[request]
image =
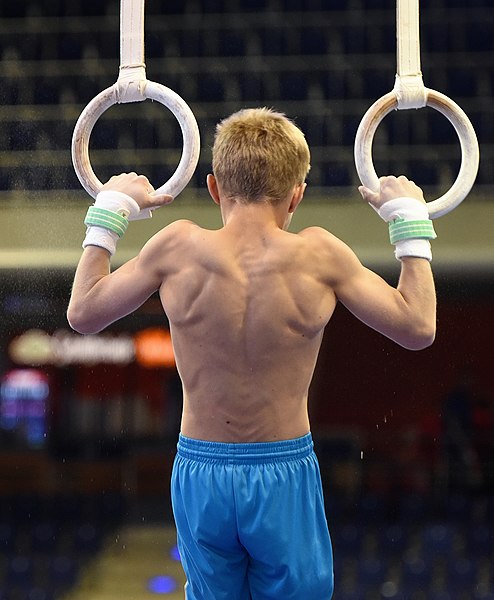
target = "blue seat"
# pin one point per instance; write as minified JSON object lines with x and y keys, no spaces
{"x":251,"y":86}
{"x":201,"y":172}
{"x":10,"y":91}
{"x":484,"y":594}
{"x":155,"y":43}
{"x":87,"y":539}
{"x":479,"y":36}
{"x":425,"y":174}
{"x":372,"y":571}
{"x":337,"y":174}
{"x":46,"y":91}
{"x":440,"y":595}
{"x":416,"y":573}
{"x":210,"y":6}
{"x":354,"y":38}
{"x":480,"y":540}
{"x":170,"y":7}
{"x":334,"y":84}
{"x":44,"y":538}
{"x":347,"y":540}
{"x":232,"y":43}
{"x":273,"y":41}
{"x":91,"y":8}
{"x":350,"y":126}
{"x":13,"y":9}
{"x":348,"y":595}
{"x":376,"y":83}
{"x":110,"y":506}
{"x":107,"y":42}
{"x":191,"y":43}
{"x":387,"y":40}
{"x":462,"y":82}
{"x":413,"y":507}
{"x":31,"y":47}
{"x":69,"y":47}
{"x":438,"y":538}
{"x":313,"y":41}
{"x":462,"y":573}
{"x":458,"y":506}
{"x":394,"y":539}
{"x":373,"y":508}
{"x":490,"y":498}
{"x":20,"y":571}
{"x":7,"y":537}
{"x":64,"y":572}
{"x":375,"y":4}
{"x":210,"y":88}
{"x":254,"y":5}
{"x":294,"y":86}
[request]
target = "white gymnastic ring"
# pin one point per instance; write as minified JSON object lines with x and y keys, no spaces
{"x":466,"y":135}
{"x":154,"y":91}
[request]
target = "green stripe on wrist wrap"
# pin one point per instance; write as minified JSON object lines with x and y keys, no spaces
{"x":108,"y":219}
{"x":406,"y":230}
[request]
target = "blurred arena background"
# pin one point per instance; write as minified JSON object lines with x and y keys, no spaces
{"x":88,"y":425}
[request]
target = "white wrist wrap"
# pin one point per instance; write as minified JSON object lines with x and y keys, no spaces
{"x":415,"y":247}
{"x":410,"y":228}
{"x":118,"y":202}
{"x":99,"y":236}
{"x":408,"y":209}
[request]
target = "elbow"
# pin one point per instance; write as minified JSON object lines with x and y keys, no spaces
{"x":80,"y":321}
{"x":421,"y":338}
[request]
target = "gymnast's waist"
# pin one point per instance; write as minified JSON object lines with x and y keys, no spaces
{"x":245,"y":453}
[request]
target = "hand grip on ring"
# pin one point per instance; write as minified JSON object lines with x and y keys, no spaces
{"x":155,"y":91}
{"x":466,"y":135}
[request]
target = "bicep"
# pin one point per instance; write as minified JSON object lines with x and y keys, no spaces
{"x":366,"y":295}
{"x":129,"y":286}
{"x":371,"y":299}
{"x":405,"y":314}
{"x":100,"y":298}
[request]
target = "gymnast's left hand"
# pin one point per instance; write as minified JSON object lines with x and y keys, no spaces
{"x":139,"y":188}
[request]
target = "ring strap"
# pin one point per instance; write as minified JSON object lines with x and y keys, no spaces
{"x":131,"y":82}
{"x":131,"y":33}
{"x":409,"y":86}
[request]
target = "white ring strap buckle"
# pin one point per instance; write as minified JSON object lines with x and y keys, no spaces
{"x":410,"y":92}
{"x":132,"y":86}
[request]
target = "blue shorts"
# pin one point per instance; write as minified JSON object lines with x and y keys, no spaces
{"x":250,"y":521}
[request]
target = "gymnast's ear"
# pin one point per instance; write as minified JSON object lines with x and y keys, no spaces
{"x":213,"y":188}
{"x":297,"y":195}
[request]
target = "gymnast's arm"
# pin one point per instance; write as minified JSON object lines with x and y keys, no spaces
{"x":100,"y":297}
{"x":406,"y":314}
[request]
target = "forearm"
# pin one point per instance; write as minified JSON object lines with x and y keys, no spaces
{"x":98,"y":296}
{"x":416,"y":287}
{"x":84,"y":311}
{"x":404,"y":314}
{"x":401,"y":204}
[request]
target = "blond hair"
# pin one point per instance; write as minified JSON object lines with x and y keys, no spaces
{"x":259,"y":154}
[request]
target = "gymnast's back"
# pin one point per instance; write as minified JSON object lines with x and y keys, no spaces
{"x":247,"y":308}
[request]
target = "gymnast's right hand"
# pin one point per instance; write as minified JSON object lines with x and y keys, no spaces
{"x":139,"y":188}
{"x":391,"y":188}
{"x":401,"y":204}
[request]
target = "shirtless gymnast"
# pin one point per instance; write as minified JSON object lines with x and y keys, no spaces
{"x":247,"y":306}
